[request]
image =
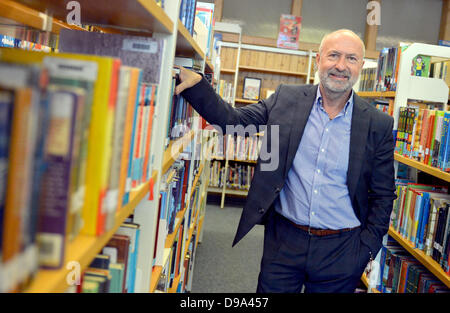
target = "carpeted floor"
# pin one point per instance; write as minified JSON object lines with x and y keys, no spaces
{"x":218,"y":266}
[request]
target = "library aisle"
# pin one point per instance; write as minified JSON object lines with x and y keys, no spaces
{"x":220,"y":267}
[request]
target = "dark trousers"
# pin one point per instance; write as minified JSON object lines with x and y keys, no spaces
{"x":293,"y":258}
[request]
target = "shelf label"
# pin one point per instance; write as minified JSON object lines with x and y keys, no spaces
{"x":140,"y":46}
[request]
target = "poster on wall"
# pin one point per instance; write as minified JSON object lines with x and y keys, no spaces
{"x":289,"y":31}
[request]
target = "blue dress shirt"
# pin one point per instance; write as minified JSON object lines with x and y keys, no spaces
{"x":315,"y":193}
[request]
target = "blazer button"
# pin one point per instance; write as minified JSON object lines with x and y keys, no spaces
{"x":277,"y":190}
{"x":261,"y":210}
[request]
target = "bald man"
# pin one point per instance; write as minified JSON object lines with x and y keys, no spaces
{"x":327,"y":205}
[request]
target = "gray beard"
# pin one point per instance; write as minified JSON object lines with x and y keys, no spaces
{"x":335,"y":89}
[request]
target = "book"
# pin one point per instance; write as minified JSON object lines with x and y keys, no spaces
{"x":100,"y":132}
{"x":141,"y":52}
{"x":131,"y":230}
{"x":82,"y":75}
{"x":118,"y":249}
{"x":61,"y":151}
{"x":112,"y":203}
{"x":6,"y":111}
{"x":127,"y":135}
{"x":19,"y":251}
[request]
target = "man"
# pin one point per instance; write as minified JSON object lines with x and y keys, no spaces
{"x":327,"y":205}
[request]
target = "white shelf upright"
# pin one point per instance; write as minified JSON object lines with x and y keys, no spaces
{"x":416,"y":87}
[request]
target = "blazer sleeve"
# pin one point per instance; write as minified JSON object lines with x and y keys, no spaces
{"x":381,"y":191}
{"x":219,"y":113}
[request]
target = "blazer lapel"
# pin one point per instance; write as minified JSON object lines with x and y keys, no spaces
{"x":358,"y":138}
{"x":303,"y":105}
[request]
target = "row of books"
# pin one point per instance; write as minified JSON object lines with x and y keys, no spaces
{"x":172,"y":199}
{"x":385,"y":76}
{"x":402,"y":273}
{"x":440,"y":70}
{"x":225,"y":90}
{"x":180,"y":116}
{"x":176,"y":265}
{"x":384,"y":106}
{"x":203,"y":26}
{"x":368,"y":79}
{"x":114,"y":269}
{"x":238,"y":176}
{"x":181,"y":257}
{"x":187,"y":14}
{"x":420,"y":215}
{"x":423,"y":135}
{"x":84,"y":124}
{"x":12,"y":42}
{"x":237,"y":147}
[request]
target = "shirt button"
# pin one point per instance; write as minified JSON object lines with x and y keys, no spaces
{"x":326,"y":129}
{"x":323,"y":150}
{"x":315,"y":191}
{"x":313,"y":213}
{"x":318,"y":171}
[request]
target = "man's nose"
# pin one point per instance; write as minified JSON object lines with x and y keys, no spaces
{"x":340,"y":64}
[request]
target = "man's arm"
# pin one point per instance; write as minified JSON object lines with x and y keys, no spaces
{"x":199,"y":93}
{"x":381,"y":192}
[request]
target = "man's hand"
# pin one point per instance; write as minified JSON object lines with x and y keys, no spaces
{"x":188,"y":79}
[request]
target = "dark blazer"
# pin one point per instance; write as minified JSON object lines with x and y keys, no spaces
{"x":370,"y":176}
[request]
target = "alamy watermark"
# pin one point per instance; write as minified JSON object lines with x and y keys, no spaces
{"x":74,"y":16}
{"x":374,"y":16}
{"x":269,"y":153}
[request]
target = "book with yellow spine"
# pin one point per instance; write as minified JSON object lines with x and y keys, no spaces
{"x":100,"y":134}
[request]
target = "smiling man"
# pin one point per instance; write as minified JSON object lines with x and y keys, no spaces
{"x":328,"y":204}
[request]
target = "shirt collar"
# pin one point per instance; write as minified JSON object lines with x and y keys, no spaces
{"x":348,"y":105}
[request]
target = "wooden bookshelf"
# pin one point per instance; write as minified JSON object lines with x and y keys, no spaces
{"x":271,"y":71}
{"x":239,"y":100}
{"x":177,"y":146}
{"x":423,"y":167}
{"x":170,"y":239}
{"x":194,"y":223}
{"x":227,"y":71}
{"x":234,"y":160}
{"x":186,"y":45}
{"x":366,"y":283}
{"x":140,"y":16}
{"x":28,"y":16}
{"x":419,"y":255}
{"x":83,"y":249}
{"x":156,"y":275}
{"x":376,"y":94}
{"x":236,"y":192}
{"x":209,"y":66}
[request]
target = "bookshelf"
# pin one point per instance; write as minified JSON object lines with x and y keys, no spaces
{"x":377,"y":94}
{"x":244,"y":101}
{"x":426,"y":89}
{"x":426,"y":260}
{"x":436,"y":172}
{"x":272,"y":65}
{"x":157,"y":270}
{"x":138,"y":18}
{"x":84,"y":249}
{"x":31,"y":17}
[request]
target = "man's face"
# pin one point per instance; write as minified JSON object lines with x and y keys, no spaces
{"x":340,"y":62}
